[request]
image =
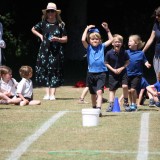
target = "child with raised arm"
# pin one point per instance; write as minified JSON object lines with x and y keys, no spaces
{"x":96,"y":76}
{"x":8,"y":86}
{"x":25,"y":87}
{"x":116,"y":61}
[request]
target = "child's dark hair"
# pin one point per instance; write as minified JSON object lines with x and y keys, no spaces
{"x":156,"y":12}
{"x":25,"y":71}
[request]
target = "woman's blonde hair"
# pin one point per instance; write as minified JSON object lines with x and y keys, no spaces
{"x":25,"y":71}
{"x":58,"y":18}
{"x":137,"y":40}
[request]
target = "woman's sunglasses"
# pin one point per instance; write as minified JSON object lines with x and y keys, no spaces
{"x":50,"y":11}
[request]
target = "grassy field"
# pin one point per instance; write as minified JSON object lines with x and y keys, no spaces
{"x":54,"y":131}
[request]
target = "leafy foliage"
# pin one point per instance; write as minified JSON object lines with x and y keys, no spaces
{"x":15,"y":45}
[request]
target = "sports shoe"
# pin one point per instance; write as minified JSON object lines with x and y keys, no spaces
{"x":151,"y":103}
{"x":82,"y":101}
{"x":109,"y":109}
{"x":157,"y":104}
{"x":52,"y":98}
{"x":100,"y":114}
{"x":133,"y":107}
{"x":46,"y":97}
{"x":126,"y":107}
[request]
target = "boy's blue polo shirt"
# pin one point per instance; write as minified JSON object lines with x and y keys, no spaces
{"x":137,"y":60}
{"x":142,"y":85}
{"x":95,"y":57}
{"x":157,"y":86}
{"x":116,"y":60}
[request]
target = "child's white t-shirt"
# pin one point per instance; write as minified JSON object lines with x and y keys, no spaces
{"x":25,"y":87}
{"x":9,"y":87}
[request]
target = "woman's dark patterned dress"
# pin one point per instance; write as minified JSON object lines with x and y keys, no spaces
{"x":156,"y":59}
{"x":50,"y":59}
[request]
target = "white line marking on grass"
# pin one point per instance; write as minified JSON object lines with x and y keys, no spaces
{"x":143,"y":139}
{"x":16,"y":154}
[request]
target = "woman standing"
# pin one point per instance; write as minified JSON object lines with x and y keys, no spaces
{"x":155,"y":35}
{"x":49,"y":67}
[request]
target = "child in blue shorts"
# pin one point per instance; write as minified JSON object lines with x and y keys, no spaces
{"x":143,"y":94}
{"x":135,"y":68}
{"x":154,"y":89}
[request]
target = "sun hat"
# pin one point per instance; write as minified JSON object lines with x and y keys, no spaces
{"x":51,"y":6}
{"x":93,"y":30}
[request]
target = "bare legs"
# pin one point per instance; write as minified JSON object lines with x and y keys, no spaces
{"x":50,"y":93}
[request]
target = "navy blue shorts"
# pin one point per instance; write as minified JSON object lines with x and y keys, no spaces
{"x":134,"y":81}
{"x":96,"y":81}
{"x":116,"y":81}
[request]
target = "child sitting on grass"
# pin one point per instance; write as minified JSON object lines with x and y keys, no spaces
{"x":154,"y":89}
{"x":8,"y":86}
{"x":25,"y":87}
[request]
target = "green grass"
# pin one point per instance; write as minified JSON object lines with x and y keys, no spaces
{"x":115,"y":138}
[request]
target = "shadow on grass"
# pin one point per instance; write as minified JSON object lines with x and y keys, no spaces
{"x":108,"y":115}
{"x":66,"y":98}
{"x":150,"y":109}
{"x":4,"y":108}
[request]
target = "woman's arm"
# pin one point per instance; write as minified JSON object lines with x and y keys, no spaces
{"x":37,"y":33}
{"x":149,"y":42}
{"x":64,"y":39}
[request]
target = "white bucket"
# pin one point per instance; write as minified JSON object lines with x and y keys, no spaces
{"x":90,"y":117}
